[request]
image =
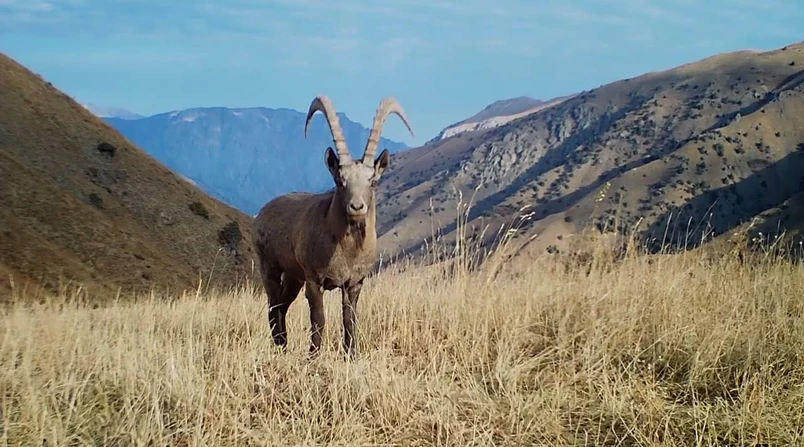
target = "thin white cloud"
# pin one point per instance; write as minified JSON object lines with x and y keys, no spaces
{"x":356,"y":35}
{"x":578,"y":15}
{"x":27,"y":5}
{"x":669,"y":12}
{"x":399,"y":37}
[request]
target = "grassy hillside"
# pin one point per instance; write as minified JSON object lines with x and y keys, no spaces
{"x":718,"y":141}
{"x":78,"y":202}
{"x":670,"y":351}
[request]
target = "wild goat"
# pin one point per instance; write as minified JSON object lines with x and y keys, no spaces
{"x":328,"y":240}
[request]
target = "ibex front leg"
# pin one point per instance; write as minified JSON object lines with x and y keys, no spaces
{"x":350,"y":294}
{"x":315,"y":298}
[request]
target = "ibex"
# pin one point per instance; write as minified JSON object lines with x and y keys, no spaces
{"x":328,"y":240}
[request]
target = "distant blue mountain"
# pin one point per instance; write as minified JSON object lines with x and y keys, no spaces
{"x":247,"y":156}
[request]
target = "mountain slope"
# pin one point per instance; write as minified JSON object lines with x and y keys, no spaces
{"x":496,"y":114}
{"x":79,"y":202}
{"x":503,"y":107}
{"x":715,"y":139}
{"x":245,"y":156}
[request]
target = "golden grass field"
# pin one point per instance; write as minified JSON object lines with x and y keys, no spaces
{"x":662,"y":350}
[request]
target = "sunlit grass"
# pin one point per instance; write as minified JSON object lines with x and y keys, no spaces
{"x":597,"y":348}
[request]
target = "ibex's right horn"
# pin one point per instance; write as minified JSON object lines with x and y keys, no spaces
{"x":323,"y":104}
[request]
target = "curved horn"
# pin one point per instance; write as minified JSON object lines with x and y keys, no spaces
{"x":387,"y":107}
{"x":323,"y":104}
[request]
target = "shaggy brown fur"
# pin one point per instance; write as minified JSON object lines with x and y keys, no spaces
{"x":324,"y":241}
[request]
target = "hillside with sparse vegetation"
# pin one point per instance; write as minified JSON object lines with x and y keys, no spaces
{"x":688,"y":154}
{"x":80,"y":203}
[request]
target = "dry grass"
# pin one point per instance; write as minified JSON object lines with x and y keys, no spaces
{"x":665,"y":350}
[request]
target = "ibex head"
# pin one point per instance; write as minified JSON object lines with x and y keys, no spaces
{"x":356,"y":180}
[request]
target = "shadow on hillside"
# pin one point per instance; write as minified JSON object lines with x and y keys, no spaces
{"x":732,"y":202}
{"x":565,"y":202}
{"x":552,"y":158}
{"x":721,"y":210}
{"x":789,"y":83}
{"x":555,"y":157}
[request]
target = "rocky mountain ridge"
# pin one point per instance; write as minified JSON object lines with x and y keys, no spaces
{"x":244,"y":156}
{"x":691,"y":140}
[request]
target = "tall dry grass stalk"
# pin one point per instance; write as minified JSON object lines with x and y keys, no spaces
{"x":645,"y":350}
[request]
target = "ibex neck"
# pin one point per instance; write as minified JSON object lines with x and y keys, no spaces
{"x":360,"y":234}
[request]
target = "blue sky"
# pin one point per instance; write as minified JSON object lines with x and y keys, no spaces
{"x":443,"y":59}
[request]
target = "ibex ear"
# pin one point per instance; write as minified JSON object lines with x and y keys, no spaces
{"x":381,"y":163}
{"x":333,"y":164}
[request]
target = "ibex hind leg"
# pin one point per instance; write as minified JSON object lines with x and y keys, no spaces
{"x":289,"y":290}
{"x":271,"y":281}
